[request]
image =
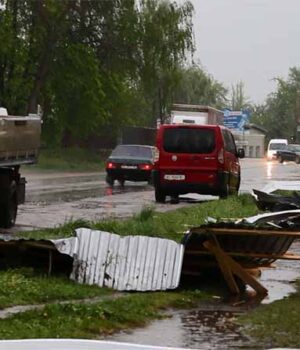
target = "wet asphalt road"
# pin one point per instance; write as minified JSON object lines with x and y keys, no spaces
{"x":54,"y":198}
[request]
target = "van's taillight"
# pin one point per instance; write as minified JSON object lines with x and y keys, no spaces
{"x":111,"y":165}
{"x":221,"y":156}
{"x":145,"y":166}
{"x":156,"y":155}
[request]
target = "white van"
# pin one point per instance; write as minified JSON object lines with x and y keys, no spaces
{"x":274,"y":146}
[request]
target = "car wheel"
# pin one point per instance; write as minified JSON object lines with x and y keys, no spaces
{"x":225,"y":191}
{"x":280,"y":159}
{"x":110,"y":180}
{"x":121,"y":182}
{"x":174,"y":199}
{"x":160,"y":196}
{"x":238,"y":185}
{"x":297,"y":160}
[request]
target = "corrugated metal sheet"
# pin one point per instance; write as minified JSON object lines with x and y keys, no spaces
{"x":125,"y":263}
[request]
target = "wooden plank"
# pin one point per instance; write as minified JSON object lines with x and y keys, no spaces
{"x":224,"y":266}
{"x":286,"y":256}
{"x":243,"y":231}
{"x":225,"y":260}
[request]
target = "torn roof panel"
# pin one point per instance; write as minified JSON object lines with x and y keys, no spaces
{"x":105,"y":259}
{"x":126,"y":263}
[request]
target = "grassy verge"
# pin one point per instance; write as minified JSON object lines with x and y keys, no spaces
{"x":169,"y":225}
{"x":96,"y":320}
{"x":70,"y":159}
{"x":276,"y":324}
{"x":23,"y":286}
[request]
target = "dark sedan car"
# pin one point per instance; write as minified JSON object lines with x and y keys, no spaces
{"x":290,"y":153}
{"x":130,"y":162}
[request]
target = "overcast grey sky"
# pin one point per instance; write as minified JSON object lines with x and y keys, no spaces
{"x":249,"y":40}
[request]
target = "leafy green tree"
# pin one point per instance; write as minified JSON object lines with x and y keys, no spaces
{"x":197,"y":87}
{"x":238,"y":100}
{"x":281,"y":113}
{"x":166,"y":39}
{"x":91,"y":64}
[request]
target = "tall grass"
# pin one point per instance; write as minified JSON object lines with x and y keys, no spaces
{"x":71,"y":159}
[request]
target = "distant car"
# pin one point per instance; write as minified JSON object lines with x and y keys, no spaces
{"x":290,"y":153}
{"x":274,"y":146}
{"x":130,"y":162}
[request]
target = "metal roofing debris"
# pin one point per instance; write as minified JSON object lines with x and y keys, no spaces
{"x":282,"y":217}
{"x":124,"y":263}
{"x":276,"y":202}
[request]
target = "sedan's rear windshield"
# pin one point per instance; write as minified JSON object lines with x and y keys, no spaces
{"x":132,"y":151}
{"x":189,"y":140}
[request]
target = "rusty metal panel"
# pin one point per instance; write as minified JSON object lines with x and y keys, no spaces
{"x":19,"y":139}
{"x":126,"y":263}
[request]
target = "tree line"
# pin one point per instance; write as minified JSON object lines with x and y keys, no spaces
{"x":95,"y":66}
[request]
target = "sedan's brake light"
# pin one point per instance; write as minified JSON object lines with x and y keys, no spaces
{"x":111,"y":165}
{"x":145,"y":166}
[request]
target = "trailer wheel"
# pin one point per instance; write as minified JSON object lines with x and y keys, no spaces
{"x":9,"y":208}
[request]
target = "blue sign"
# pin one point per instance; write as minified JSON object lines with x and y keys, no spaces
{"x":235,"y":120}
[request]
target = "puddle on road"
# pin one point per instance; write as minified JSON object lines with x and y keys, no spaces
{"x":211,"y":326}
{"x":197,"y":329}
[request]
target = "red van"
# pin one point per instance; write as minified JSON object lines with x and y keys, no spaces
{"x":195,"y":158}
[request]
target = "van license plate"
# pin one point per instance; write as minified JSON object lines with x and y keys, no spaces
{"x":175,"y":177}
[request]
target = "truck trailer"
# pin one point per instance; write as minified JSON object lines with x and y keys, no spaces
{"x":195,"y":114}
{"x":19,"y":145}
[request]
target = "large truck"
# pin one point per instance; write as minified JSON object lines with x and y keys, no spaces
{"x":19,"y":145}
{"x":195,"y":114}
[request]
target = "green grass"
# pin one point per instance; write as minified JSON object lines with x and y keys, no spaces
{"x":169,"y":225}
{"x":94,"y":321}
{"x":23,"y":286}
{"x":276,"y":324}
{"x":70,"y":159}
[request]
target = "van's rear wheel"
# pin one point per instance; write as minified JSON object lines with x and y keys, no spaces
{"x":160,"y":196}
{"x":225,"y":191}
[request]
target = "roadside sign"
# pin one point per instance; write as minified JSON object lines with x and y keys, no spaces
{"x":235,"y":120}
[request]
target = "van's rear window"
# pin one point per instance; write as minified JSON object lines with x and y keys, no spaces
{"x":189,"y":140}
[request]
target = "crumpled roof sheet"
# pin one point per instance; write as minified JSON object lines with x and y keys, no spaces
{"x":123,"y":263}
